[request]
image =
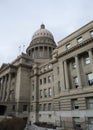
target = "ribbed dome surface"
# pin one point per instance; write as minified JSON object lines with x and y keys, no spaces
{"x":42,"y":32}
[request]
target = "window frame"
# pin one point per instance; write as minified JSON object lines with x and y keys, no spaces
{"x":74,"y":65}
{"x":91,"y":33}
{"x":33,"y":86}
{"x":44,"y":106}
{"x":87,"y":60}
{"x":90,"y":81}
{"x":75,"y":81}
{"x":44,"y":80}
{"x":45,"y":93}
{"x":76,"y":124}
{"x":89,"y":103}
{"x":41,"y":93}
{"x":59,"y":86}
{"x":75,"y":105}
{"x":49,"y":106}
{"x":49,"y":79}
{"x":25,"y":107}
{"x":41,"y":82}
{"x":68,"y":46}
{"x":49,"y":92}
{"x":79,"y":39}
{"x":58,"y":71}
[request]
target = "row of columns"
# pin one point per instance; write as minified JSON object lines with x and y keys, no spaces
{"x":5,"y":84}
{"x":39,"y":52}
{"x":65,"y":69}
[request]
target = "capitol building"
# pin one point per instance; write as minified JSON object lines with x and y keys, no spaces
{"x":51,"y":82}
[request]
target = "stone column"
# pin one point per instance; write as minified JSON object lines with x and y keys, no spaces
{"x":63,"y":75}
{"x":39,"y":52}
{"x":8,"y":87}
{"x":33,"y":53}
{"x":4,"y":88}
{"x":36,"y":52}
{"x":48,"y":51}
{"x":78,"y":71}
{"x":0,"y":88}
{"x":2,"y":84}
{"x":43,"y":52}
{"x":66,"y":75}
{"x":91,"y":58}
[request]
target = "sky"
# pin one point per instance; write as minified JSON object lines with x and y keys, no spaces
{"x":19,"y":19}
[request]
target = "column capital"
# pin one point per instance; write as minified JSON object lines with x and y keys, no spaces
{"x":89,"y":50}
{"x":76,"y":55}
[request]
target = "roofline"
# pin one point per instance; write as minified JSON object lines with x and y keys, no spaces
{"x":74,"y":32}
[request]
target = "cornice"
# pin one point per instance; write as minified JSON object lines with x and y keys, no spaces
{"x":75,"y":47}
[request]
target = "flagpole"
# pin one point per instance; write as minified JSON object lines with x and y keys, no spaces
{"x":19,"y":50}
{"x":23,"y":47}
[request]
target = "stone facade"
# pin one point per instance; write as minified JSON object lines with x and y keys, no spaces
{"x":51,"y":83}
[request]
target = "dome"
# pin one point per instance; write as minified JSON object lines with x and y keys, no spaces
{"x":42,"y":32}
{"x":41,"y":45}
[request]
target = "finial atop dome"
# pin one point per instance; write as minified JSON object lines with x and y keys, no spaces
{"x":42,"y":26}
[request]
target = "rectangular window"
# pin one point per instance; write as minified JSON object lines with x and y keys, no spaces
{"x":49,"y":106}
{"x":59,"y":87}
{"x":41,"y":52}
{"x":87,"y":60}
{"x":90,"y":78}
{"x":40,"y":106}
{"x":41,"y":70}
{"x":40,"y":81}
{"x":32,"y":85}
{"x":49,"y":79}
{"x":41,"y":94}
{"x":68,"y":46}
{"x":44,"y":80}
{"x":90,"y":103}
{"x":58,"y":70}
{"x":45,"y":92}
{"x":49,"y":92}
{"x":90,"y":123}
{"x":73,"y":65}
{"x":44,"y":107}
{"x":79,"y":40}
{"x":91,"y":33}
{"x":31,"y":107}
{"x":76,"y":123}
{"x":49,"y":115}
{"x":45,"y":68}
{"x":24,"y":107}
{"x":13,"y":108}
{"x":50,"y":66}
{"x":75,"y":79}
{"x":32,"y":97}
{"x":75,"y":105}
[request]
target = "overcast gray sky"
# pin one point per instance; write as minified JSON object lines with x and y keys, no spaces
{"x":19,"y":19}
